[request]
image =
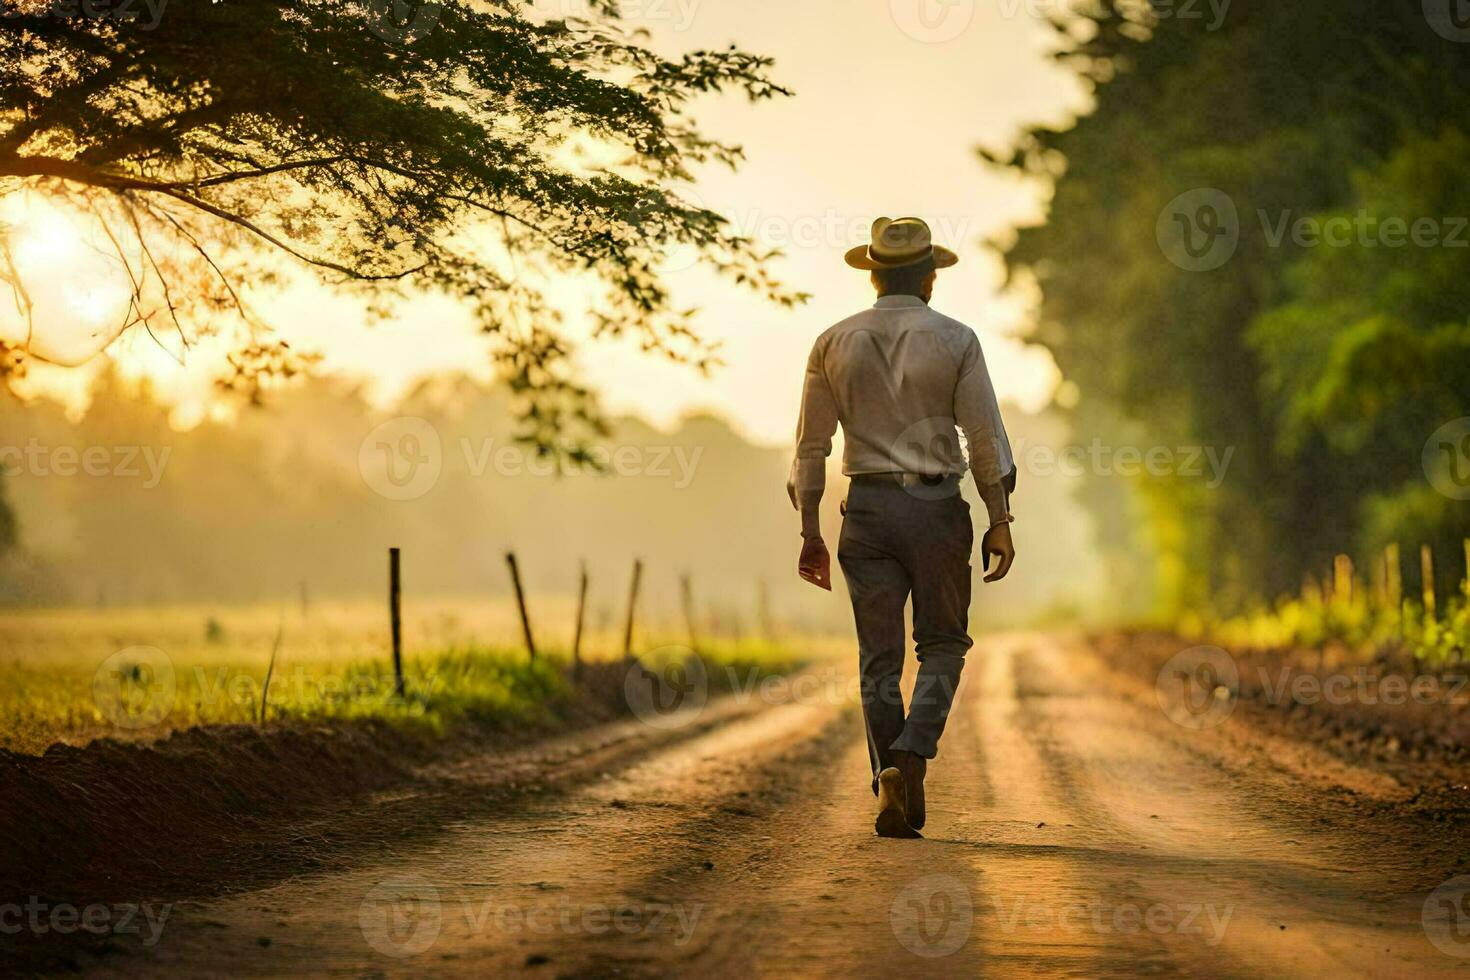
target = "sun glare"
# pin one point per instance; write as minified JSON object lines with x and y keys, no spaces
{"x":75,"y":283}
{"x":46,"y":238}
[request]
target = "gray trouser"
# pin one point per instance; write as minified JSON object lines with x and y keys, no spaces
{"x":897,"y":541}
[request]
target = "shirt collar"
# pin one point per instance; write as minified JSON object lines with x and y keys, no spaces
{"x":898,"y":302}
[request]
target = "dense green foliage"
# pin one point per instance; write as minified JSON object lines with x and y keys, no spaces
{"x":478,"y":149}
{"x":1326,"y":361}
{"x":1361,"y":623}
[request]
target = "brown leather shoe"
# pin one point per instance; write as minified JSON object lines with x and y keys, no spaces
{"x":892,"y":820}
{"x":913,"y":767}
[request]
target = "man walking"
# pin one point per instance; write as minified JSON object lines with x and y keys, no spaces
{"x":902,"y":379}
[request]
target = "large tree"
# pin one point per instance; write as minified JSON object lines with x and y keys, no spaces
{"x":1323,"y":368}
{"x":473,"y":147}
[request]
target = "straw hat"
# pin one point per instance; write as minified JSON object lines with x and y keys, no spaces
{"x":901,"y":242}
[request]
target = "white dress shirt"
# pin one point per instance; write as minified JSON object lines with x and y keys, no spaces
{"x":901,"y":379}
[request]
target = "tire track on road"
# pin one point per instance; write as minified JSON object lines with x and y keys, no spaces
{"x":557,"y":878}
{"x":1219,"y":840}
{"x":1072,"y":832}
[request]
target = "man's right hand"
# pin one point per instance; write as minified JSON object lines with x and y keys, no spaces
{"x":815,"y":564}
{"x":997,"y":542}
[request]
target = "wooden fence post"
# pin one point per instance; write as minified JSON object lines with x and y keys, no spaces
{"x":1342,"y":579}
{"x":1426,"y":577}
{"x":632,"y":607}
{"x":1394,"y":576}
{"x":515,"y":577}
{"x":1466,"y":583}
{"x":686,"y":593}
{"x":581,"y":617}
{"x":395,"y":614}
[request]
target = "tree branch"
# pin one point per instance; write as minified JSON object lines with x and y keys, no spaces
{"x":18,"y":166}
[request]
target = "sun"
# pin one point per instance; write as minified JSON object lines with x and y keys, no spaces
{"x":68,"y":287}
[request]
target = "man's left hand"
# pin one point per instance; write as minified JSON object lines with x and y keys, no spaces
{"x":815,"y":564}
{"x":997,"y":544}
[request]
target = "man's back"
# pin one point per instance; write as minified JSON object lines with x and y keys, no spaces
{"x":899,"y":377}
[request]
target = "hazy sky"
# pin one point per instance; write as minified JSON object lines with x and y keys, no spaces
{"x":892,"y":98}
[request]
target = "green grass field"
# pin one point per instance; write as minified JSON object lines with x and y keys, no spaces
{"x":75,"y":675}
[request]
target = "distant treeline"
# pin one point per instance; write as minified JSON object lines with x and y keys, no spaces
{"x":1258,"y":242}
{"x":117,"y":508}
{"x":296,"y":491}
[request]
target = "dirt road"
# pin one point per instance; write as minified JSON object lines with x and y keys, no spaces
{"x":1074,"y":830}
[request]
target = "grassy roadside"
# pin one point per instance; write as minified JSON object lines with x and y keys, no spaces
{"x":1391,"y":713}
{"x":1432,"y":639}
{"x":1373,"y":671}
{"x":1369,"y":621}
{"x":142,"y":694}
{"x":202,"y":797}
